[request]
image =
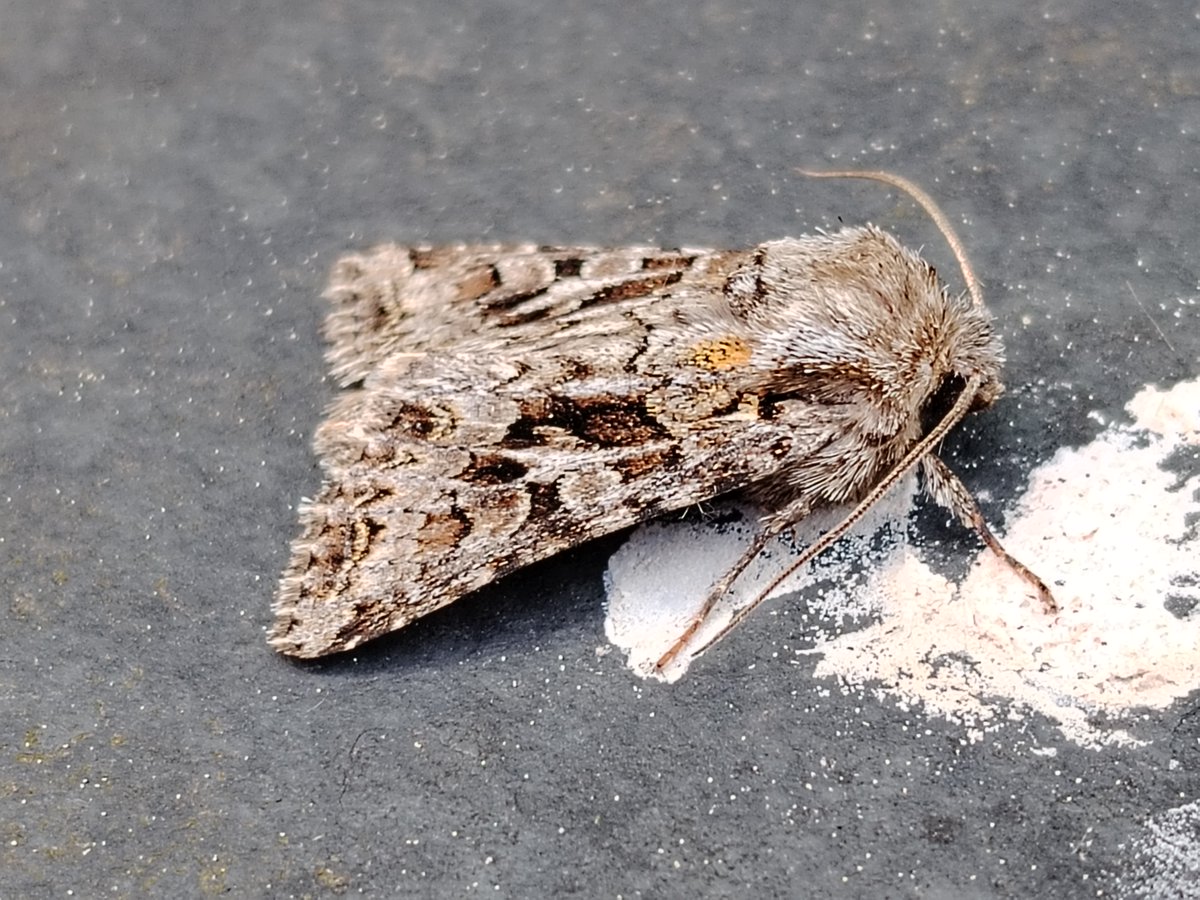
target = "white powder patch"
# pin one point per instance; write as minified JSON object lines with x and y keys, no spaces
{"x":1173,"y":414}
{"x":1105,"y":525}
{"x":1166,"y":860}
{"x":660,"y":577}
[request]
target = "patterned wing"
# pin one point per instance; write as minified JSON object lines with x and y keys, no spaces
{"x":449,"y":470}
{"x":408,"y":299}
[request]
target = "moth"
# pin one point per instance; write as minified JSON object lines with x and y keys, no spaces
{"x":505,"y":402}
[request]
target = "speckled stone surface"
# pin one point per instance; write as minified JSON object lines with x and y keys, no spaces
{"x":176,"y":180}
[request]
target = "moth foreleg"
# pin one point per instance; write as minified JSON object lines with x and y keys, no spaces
{"x":948,"y":491}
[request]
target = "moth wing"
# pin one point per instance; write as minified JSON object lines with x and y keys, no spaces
{"x":449,"y":469}
{"x":414,"y":299}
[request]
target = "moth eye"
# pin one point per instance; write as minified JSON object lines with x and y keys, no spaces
{"x":988,"y":394}
{"x":937,"y":404}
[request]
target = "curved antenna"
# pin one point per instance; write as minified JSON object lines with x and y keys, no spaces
{"x":929,"y":205}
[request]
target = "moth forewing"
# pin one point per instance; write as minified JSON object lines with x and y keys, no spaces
{"x":449,"y":469}
{"x":518,"y":400}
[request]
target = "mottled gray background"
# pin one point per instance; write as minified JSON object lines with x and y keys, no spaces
{"x":176,"y":179}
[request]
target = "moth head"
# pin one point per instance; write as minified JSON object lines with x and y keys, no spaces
{"x":857,"y":316}
{"x":977,"y":355}
{"x":970,"y":348}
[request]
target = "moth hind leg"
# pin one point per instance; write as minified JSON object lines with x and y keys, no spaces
{"x":772,"y":526}
{"x":949,"y":492}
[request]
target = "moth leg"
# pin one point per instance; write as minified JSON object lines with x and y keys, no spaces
{"x":948,"y":491}
{"x":772,"y":526}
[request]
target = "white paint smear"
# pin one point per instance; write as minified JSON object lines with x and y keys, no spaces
{"x":1104,"y":524}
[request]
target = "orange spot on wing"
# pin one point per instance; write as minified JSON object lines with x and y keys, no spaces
{"x":720,"y":353}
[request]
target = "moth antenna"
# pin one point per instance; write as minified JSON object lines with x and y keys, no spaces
{"x":925,"y":445}
{"x":931,"y":208}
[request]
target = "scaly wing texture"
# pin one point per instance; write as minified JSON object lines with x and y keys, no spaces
{"x":409,"y":299}
{"x":450,"y":471}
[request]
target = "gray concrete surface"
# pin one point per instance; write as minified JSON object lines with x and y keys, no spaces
{"x":175,"y":181}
